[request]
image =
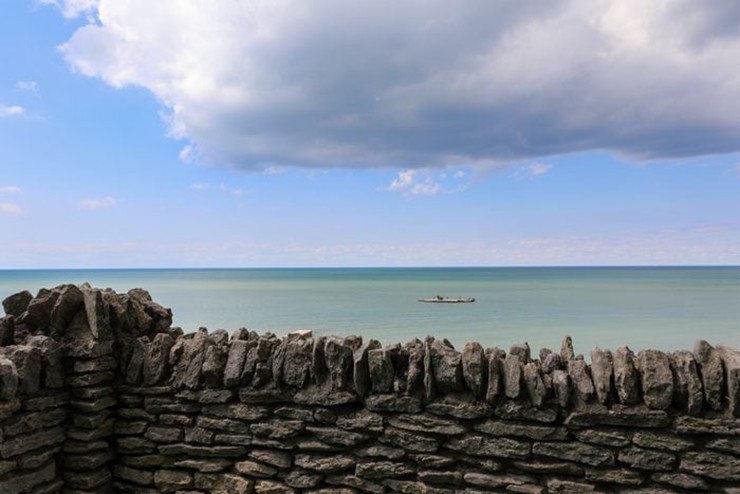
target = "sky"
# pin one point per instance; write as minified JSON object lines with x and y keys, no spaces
{"x":243,"y":133}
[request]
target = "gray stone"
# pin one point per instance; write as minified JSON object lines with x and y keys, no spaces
{"x":604,"y":437}
{"x":51,"y":359}
{"x":622,"y":476}
{"x":681,"y":480}
{"x":688,"y":393}
{"x":355,"y":482}
{"x":725,"y":444}
{"x":135,"y":475}
{"x":602,"y":373}
{"x":512,"y":410}
{"x":626,"y":379}
{"x":551,"y":362}
{"x":618,"y":416}
{"x":205,"y":466}
{"x":214,"y":363}
{"x":279,"y":459}
{"x":27,"y":360}
{"x":324,"y":395}
{"x":731,"y":364}
{"x":410,"y":441}
{"x":302,"y":479}
{"x":156,"y":359}
{"x":255,"y":469}
{"x":430,"y":389}
{"x":549,"y":467}
{"x":297,"y":364}
{"x":536,"y":388}
{"x":381,"y":370}
{"x":237,"y":411}
{"x":712,"y":375}
{"x":235,"y":362}
{"x":503,"y":447}
{"x":450,"y":477}
{"x":172,"y":480}
{"x":579,"y":374}
{"x":446,"y":368}
{"x":186,"y":358}
{"x":566,"y":350}
{"x":8,"y":379}
{"x":426,"y":423}
{"x":561,"y":387}
{"x":460,"y":407}
{"x":415,"y":376}
{"x":360,"y":366}
{"x":568,"y":486}
{"x":15,"y":305}
{"x":713,"y":465}
{"x":26,"y":481}
{"x":10,"y":448}
{"x":380,"y":452}
{"x":361,"y":421}
{"x":646,"y":459}
{"x":382,"y":469}
{"x":332,"y":435}
{"x":325,"y":464}
{"x":667,"y":442}
{"x":695,"y":425}
{"x":495,"y":387}
{"x":278,"y":429}
{"x":393,"y":403}
{"x":522,"y":352}
{"x":475,"y":368}
{"x":656,"y":379}
{"x":512,"y":376}
{"x":494,"y":481}
{"x":500,"y":428}
{"x":577,"y":452}
{"x":339,"y":362}
{"x":190,"y":450}
{"x":272,"y":487}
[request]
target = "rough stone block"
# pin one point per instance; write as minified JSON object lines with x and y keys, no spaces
{"x":577,"y":452}
{"x":713,"y":465}
{"x":656,"y":379}
{"x":646,"y":459}
{"x":626,"y":379}
{"x":475,"y":368}
{"x":172,"y":480}
{"x":709,"y":363}
{"x":688,"y":393}
{"x":580,"y":375}
{"x":8,"y":379}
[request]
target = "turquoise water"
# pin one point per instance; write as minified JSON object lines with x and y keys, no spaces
{"x":667,"y":308}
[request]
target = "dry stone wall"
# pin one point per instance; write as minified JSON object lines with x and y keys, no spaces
{"x":98,"y":393}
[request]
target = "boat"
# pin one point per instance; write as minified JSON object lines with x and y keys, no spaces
{"x":439,"y":299}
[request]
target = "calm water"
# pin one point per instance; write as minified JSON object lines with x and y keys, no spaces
{"x":667,"y":308}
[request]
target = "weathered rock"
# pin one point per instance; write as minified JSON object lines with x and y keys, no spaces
{"x":52,"y":372}
{"x":297,"y":364}
{"x":512,"y":377}
{"x":500,"y":428}
{"x":360,"y":366}
{"x":235,"y":361}
{"x":255,"y":469}
{"x":446,"y":368}
{"x":382,"y":469}
{"x":646,"y":459}
{"x":381,"y":370}
{"x":579,"y":374}
{"x":618,"y":416}
{"x":494,"y":481}
{"x":27,"y":360}
{"x":681,"y":480}
{"x":156,"y":366}
{"x":459,"y":407}
{"x":713,"y":465}
{"x":302,"y":479}
{"x":626,"y":379}
{"x":325,"y":464}
{"x":214,"y":362}
{"x":667,"y":442}
{"x":15,"y":305}
{"x":561,"y":387}
{"x":8,"y":379}
{"x":731,"y":364}
{"x":656,"y":379}
{"x":566,"y":350}
{"x":522,"y":352}
{"x":476,"y":445}
{"x":615,"y":438}
{"x":415,"y":375}
{"x":475,"y":368}
{"x":536,"y":388}
{"x":495,"y":388}
{"x":339,"y":362}
{"x":622,"y":476}
{"x":186,"y":358}
{"x":172,"y":480}
{"x":578,"y":452}
{"x":427,"y":423}
{"x":602,"y":372}
{"x":7,"y":330}
{"x":551,"y":363}
{"x":688,"y":394}
{"x":712,"y":376}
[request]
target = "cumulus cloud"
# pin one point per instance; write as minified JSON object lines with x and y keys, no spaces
{"x":10,"y":208}
{"x":414,"y":183}
{"x":105,"y":202}
{"x":264,"y":84}
{"x":11,"y":111}
{"x":537,"y":169}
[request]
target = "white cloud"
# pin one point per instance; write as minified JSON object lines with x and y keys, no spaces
{"x":105,"y":202}
{"x":73,"y":8}
{"x":9,"y":189}
{"x":199,"y":186}
{"x":414,"y":183}
{"x":11,"y":111}
{"x":10,"y":208}
{"x":332,"y":83}
{"x":28,"y":86}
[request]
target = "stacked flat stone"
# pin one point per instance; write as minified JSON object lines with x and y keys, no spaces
{"x":137,"y":406}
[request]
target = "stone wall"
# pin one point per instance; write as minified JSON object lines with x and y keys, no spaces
{"x":98,"y":393}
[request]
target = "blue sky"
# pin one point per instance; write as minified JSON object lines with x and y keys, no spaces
{"x":141,"y":134}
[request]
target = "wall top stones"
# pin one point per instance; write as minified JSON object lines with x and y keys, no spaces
{"x":38,"y":332}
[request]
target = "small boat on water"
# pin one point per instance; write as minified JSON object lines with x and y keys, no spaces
{"x":447,"y":300}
